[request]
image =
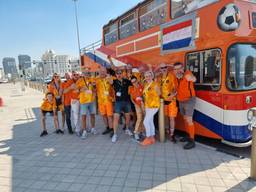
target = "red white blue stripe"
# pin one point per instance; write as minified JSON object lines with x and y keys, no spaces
{"x":177,"y":36}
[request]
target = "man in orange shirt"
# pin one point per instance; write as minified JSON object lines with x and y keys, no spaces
{"x":87,"y":102}
{"x":105,"y":95}
{"x":168,"y":93}
{"x":184,"y":83}
{"x":67,"y":100}
{"x":75,"y":104}
{"x":49,"y":106}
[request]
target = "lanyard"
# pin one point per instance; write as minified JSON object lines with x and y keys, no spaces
{"x":148,"y":86}
{"x":86,"y":85}
{"x":57,"y":88}
{"x":104,"y":84}
{"x":162,"y":82}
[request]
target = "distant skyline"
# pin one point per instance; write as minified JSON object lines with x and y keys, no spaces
{"x":31,"y":27}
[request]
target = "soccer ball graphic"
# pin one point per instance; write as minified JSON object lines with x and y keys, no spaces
{"x":229,"y":18}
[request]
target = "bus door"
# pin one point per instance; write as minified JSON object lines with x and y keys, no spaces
{"x":206,"y":66}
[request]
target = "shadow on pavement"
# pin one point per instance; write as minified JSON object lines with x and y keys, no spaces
{"x":67,"y":163}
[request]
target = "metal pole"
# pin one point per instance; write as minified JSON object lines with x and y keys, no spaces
{"x":253,"y":154}
{"x":161,"y":122}
{"x":77,"y":32}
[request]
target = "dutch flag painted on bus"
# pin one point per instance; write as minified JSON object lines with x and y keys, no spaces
{"x":177,"y":36}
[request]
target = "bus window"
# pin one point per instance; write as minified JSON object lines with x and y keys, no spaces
{"x":206,"y":66}
{"x":211,"y":69}
{"x":182,"y":7}
{"x":128,"y":26}
{"x":152,"y":14}
{"x":241,"y":65}
{"x":193,"y":64}
{"x":110,"y":34}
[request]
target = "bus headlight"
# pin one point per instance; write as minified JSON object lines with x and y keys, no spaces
{"x":250,"y":115}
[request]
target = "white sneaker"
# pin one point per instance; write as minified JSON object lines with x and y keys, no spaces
{"x":94,"y":131}
{"x":128,"y":132}
{"x":84,"y":135}
{"x":78,"y":134}
{"x":136,"y":136}
{"x":114,"y":138}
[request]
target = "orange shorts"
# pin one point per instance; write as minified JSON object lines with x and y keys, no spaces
{"x":106,"y":108}
{"x":171,"y":110}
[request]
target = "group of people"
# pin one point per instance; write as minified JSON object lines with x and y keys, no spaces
{"x":122,"y":93}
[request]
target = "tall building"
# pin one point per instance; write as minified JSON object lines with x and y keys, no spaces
{"x":24,"y":62}
{"x":48,"y":59}
{"x":57,"y":63}
{"x":74,"y":64}
{"x":62,"y":64}
{"x":1,"y":73}
{"x":10,"y":68}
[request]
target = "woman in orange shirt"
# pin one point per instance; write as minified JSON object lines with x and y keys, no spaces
{"x":55,"y":88}
{"x":151,"y":93}
{"x":136,"y":94}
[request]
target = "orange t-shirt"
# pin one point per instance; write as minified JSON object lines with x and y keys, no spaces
{"x":185,"y":88}
{"x":48,"y":106}
{"x":167,"y":86}
{"x":87,"y":96}
{"x":54,"y":89}
{"x":136,"y":93}
{"x":105,"y":91}
{"x":151,"y":97}
{"x":67,"y":96}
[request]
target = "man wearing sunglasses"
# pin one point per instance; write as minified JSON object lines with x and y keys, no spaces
{"x":55,"y":88}
{"x":87,"y":102}
{"x":168,"y":93}
{"x":122,"y":103}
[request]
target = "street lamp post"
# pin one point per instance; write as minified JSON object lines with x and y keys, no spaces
{"x":77,"y":31}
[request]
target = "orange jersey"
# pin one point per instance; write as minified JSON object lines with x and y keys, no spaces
{"x":136,"y":93}
{"x":185,"y":88}
{"x":67,"y":96}
{"x":54,"y":88}
{"x":151,"y":97}
{"x":105,"y":91}
{"x":86,"y":96}
{"x":47,"y":106}
{"x":167,"y":85}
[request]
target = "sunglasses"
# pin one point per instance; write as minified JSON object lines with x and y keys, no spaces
{"x":119,"y":73}
{"x":163,"y":68}
{"x":176,"y":69}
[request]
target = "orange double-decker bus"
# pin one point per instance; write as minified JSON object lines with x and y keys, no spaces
{"x":215,"y":39}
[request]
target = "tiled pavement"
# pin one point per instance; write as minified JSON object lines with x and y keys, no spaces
{"x":66,"y":163}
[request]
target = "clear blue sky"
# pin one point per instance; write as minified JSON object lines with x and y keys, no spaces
{"x":33,"y":26}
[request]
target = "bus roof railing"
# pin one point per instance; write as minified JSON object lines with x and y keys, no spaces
{"x":91,"y":47}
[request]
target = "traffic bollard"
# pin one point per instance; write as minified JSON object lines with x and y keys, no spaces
{"x":1,"y":102}
{"x":161,"y":122}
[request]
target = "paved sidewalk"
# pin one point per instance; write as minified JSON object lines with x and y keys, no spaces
{"x":66,"y":163}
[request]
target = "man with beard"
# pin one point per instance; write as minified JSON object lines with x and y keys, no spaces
{"x":184,"y":84}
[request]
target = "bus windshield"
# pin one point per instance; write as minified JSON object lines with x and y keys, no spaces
{"x":241,"y":67}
